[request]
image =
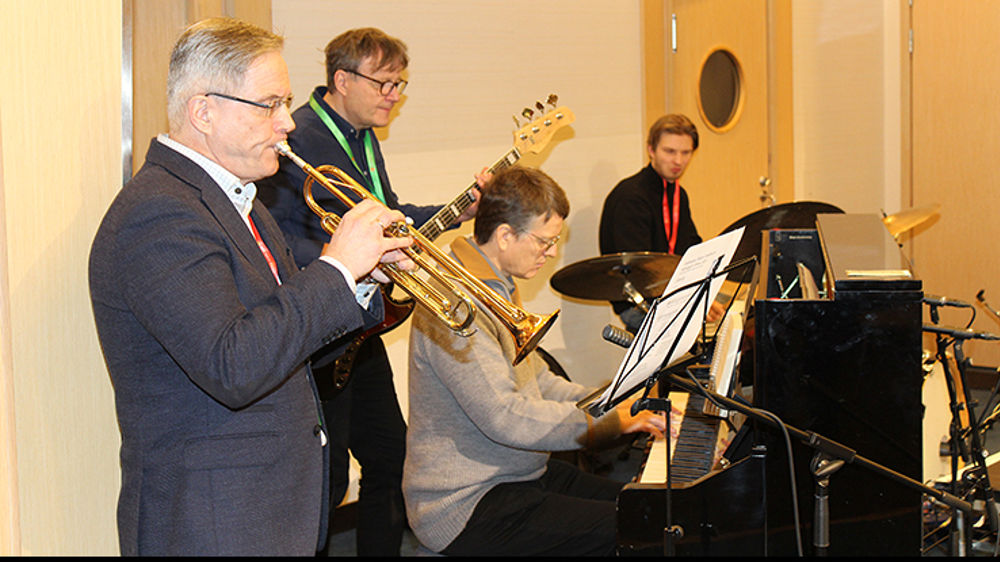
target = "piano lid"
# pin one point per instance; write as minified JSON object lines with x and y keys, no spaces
{"x":861,"y":255}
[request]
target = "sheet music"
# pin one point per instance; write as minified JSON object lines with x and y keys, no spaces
{"x":724,"y":359}
{"x":665,"y":321}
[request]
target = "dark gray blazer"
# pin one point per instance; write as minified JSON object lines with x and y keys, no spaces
{"x":221,"y":453}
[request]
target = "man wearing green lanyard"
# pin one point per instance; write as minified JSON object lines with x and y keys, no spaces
{"x":364,"y":68}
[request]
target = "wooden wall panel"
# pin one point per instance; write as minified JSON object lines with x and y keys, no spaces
{"x":61,"y":108}
{"x":10,"y":520}
{"x":956,"y":90}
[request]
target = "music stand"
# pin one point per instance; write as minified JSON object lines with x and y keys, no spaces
{"x":665,"y":336}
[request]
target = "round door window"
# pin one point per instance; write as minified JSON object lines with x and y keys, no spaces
{"x":720,"y":90}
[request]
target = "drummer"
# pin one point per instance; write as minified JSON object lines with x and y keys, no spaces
{"x":649,"y":211}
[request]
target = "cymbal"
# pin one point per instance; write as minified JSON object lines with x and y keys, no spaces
{"x":901,"y":222}
{"x":796,"y":215}
{"x":604,"y":277}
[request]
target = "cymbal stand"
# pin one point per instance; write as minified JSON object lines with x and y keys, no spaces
{"x":634,"y":296}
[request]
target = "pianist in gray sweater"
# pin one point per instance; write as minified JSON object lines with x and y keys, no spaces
{"x":478,"y":478}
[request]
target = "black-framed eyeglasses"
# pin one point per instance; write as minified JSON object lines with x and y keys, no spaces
{"x":546,"y":242}
{"x":271,"y":107}
{"x":384,"y":86}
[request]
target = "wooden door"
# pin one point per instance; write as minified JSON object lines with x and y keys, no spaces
{"x":723,"y":179}
{"x":955,"y":94}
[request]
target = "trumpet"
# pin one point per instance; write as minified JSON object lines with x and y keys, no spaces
{"x":458,"y":311}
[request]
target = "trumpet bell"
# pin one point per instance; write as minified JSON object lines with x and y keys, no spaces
{"x":526,"y":340}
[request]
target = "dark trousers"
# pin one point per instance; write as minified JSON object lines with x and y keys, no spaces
{"x":364,"y":417}
{"x":566,"y":512}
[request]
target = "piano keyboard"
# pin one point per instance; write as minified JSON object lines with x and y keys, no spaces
{"x":654,"y":470}
{"x":695,"y":447}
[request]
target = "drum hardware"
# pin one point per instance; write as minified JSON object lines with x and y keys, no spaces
{"x":632,"y":276}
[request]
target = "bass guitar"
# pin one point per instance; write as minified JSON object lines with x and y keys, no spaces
{"x":531,"y":138}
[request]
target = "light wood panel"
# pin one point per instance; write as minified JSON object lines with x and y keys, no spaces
{"x":781,"y":120}
{"x":10,"y":527}
{"x":846,"y":103}
{"x":155,"y":27}
{"x":956,"y":92}
{"x":60,"y":105}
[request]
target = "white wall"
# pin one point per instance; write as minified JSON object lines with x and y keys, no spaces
{"x":847,"y":106}
{"x":474,"y":65}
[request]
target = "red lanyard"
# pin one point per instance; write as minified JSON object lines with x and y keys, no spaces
{"x":670,"y":225}
{"x":263,"y":249}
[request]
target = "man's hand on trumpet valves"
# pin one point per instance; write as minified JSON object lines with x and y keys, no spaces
{"x":360,"y":243}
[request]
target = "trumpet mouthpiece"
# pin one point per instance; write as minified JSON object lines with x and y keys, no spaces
{"x":282,"y":148}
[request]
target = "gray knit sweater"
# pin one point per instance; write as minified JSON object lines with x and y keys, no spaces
{"x":475,"y":421}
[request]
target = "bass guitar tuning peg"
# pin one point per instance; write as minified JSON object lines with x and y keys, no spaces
{"x":552,"y":99}
{"x":527,"y":113}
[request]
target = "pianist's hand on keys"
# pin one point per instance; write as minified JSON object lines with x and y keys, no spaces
{"x":645,"y":421}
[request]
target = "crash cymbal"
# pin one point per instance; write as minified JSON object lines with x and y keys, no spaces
{"x":797,"y":215}
{"x":905,"y":220}
{"x":604,"y":277}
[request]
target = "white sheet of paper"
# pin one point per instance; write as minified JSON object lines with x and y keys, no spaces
{"x":663,"y":325}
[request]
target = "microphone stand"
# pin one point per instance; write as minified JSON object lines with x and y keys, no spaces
{"x":830,"y":456}
{"x":957,"y":446}
{"x":959,"y":436}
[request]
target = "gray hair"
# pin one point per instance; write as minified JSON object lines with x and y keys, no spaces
{"x":213,"y":55}
{"x":515,"y":196}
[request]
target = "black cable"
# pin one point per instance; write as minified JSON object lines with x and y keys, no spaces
{"x":972,"y":318}
{"x":788,"y":448}
{"x":791,"y":475}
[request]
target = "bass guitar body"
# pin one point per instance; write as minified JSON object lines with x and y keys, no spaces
{"x":396,"y":312}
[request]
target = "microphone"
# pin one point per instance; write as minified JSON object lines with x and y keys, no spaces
{"x":616,"y":335}
{"x":961,"y":334}
{"x":935,"y":300}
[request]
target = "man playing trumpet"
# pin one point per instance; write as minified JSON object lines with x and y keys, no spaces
{"x":206,"y":321}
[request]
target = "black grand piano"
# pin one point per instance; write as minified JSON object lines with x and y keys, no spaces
{"x":839,"y":356}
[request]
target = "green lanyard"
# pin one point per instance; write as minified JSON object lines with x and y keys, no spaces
{"x":376,"y":180}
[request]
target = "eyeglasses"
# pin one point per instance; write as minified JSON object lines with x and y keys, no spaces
{"x":270,"y":107}
{"x":546,"y":242}
{"x":384,"y":86}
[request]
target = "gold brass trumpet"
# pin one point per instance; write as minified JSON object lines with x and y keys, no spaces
{"x":458,"y":312}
